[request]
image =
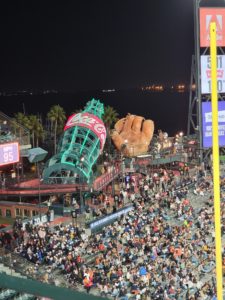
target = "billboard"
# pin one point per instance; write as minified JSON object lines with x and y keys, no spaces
{"x":207,"y":123}
{"x":206,"y":74}
{"x":208,"y":15}
{"x":9,"y":153}
{"x":108,"y":219}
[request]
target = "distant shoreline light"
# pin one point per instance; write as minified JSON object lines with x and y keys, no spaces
{"x":108,"y":91}
{"x":158,"y":88}
{"x":161,"y":88}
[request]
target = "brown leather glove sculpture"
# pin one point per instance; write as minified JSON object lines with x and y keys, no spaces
{"x":132,"y":135}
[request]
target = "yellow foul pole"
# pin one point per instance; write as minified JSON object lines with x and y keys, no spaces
{"x":216,"y":169}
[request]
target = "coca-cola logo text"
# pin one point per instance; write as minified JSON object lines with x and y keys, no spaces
{"x":89,"y":121}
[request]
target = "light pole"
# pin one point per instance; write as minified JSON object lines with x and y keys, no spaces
{"x":81,"y":202}
{"x":36,"y":155}
{"x":123,"y":172}
{"x":39,"y":190}
{"x":81,"y":196}
{"x":123,"y":148}
{"x":74,"y":216}
{"x":113,"y":176}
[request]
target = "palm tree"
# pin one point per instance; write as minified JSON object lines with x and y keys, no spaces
{"x":57,"y":117}
{"x":110,"y":117}
{"x":36,"y":128}
{"x":40,"y":133}
{"x":20,"y":119}
{"x":33,"y":123}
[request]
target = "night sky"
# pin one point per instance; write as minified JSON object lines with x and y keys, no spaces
{"x":84,"y":45}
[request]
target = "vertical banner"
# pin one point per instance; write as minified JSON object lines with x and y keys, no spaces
{"x":208,"y":15}
{"x":207,"y":123}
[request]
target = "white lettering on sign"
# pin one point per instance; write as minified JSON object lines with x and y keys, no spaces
{"x":221,"y":116}
{"x":221,"y":131}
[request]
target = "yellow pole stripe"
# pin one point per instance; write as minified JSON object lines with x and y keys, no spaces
{"x":216,"y":169}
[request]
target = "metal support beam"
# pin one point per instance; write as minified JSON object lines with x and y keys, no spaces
{"x":192,"y":114}
{"x":197,"y":78}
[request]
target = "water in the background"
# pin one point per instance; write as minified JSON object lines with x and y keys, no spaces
{"x":169,"y":110}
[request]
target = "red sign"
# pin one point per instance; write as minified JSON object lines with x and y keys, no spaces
{"x":91,"y":122}
{"x":208,"y":15}
{"x":219,"y":73}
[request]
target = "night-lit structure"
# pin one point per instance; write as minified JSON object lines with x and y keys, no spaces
{"x":82,"y":142}
{"x":12,"y":132}
{"x":9,"y":153}
{"x":200,"y":84}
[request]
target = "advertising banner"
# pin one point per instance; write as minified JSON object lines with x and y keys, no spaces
{"x":207,"y":123}
{"x":89,"y":121}
{"x":9,"y":153}
{"x":108,"y":219}
{"x":206,"y":74}
{"x":208,"y":15}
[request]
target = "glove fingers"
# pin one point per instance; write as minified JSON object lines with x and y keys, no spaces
{"x":128,"y":122}
{"x":148,"y":129}
{"x":137,"y":123}
{"x":119,"y":125}
{"x":117,"y":140}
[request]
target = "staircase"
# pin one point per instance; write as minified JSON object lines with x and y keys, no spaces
{"x":105,"y":179}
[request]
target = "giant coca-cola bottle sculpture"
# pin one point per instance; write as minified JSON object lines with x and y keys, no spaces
{"x":82,"y":142}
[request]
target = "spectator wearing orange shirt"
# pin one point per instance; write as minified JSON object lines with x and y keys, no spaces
{"x":87,"y":283}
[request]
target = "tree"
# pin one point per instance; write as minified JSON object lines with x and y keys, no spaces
{"x":110,"y":117}
{"x":57,"y":117}
{"x":22,"y":119}
{"x":36,"y":128}
{"x":21,"y":125}
{"x":31,"y":122}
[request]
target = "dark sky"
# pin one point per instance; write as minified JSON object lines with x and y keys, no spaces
{"x":79,"y":45}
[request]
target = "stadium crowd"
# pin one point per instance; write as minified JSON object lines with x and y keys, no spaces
{"x":162,"y":249}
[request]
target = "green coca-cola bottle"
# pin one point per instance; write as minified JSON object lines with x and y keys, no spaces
{"x":82,"y":142}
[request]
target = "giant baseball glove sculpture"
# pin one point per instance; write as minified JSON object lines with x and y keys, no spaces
{"x":132,"y":135}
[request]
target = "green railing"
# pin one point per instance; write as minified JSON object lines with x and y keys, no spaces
{"x":167,"y":160}
{"x":42,"y":289}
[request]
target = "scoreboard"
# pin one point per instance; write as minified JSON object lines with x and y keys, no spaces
{"x":206,"y":74}
{"x":9,"y":153}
